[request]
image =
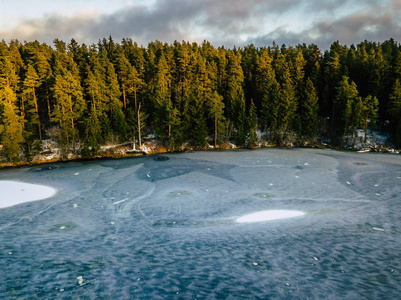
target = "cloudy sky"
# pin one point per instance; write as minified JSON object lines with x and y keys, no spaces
{"x":222,"y":22}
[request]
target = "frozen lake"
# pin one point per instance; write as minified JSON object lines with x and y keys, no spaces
{"x":177,"y":226}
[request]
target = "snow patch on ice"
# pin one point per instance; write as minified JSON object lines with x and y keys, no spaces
{"x":269,"y":215}
{"x":15,"y":192}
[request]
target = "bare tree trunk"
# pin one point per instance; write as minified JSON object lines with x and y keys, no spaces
{"x":215,"y":131}
{"x":37,"y":114}
{"x":135,"y":97}
{"x":124,"y":98}
{"x":366,"y":129}
{"x":139,"y":126}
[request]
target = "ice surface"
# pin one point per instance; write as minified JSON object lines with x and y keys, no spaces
{"x":269,"y":215}
{"x":167,"y":229}
{"x":14,"y":192}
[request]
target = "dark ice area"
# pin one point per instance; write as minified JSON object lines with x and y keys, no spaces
{"x":164,"y":227}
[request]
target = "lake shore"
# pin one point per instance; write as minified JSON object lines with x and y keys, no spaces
{"x":150,"y":147}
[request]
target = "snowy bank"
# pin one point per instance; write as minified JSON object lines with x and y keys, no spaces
{"x":15,"y":192}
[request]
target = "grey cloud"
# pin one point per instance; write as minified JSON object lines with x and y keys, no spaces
{"x":331,"y":6}
{"x":378,"y":23}
{"x":221,"y":22}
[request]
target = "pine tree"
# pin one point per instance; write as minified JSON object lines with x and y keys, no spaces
{"x":287,"y":102}
{"x":136,"y":84}
{"x":252,"y":126}
{"x":30,"y":85}
{"x":216,"y":111}
{"x":370,"y":112}
{"x":198,"y":128}
{"x":332,"y":75}
{"x":235,"y":100}
{"x":268,"y":91}
{"x":95,"y":83}
{"x":93,"y":135}
{"x":113,"y":93}
{"x":136,"y":122}
{"x":11,"y":124}
{"x":125,"y":76}
{"x":119,"y":125}
{"x":167,"y":119}
{"x":39,"y":57}
{"x":309,"y":108}
{"x":68,"y":108}
{"x":347,"y":106}
{"x":395,"y":112}
{"x":8,"y":74}
{"x":199,"y":94}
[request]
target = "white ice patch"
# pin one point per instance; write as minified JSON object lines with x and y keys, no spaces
{"x":121,"y":201}
{"x":269,"y":215}
{"x":80,"y":280}
{"x":14,"y":192}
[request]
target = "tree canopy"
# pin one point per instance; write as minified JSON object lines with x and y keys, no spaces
{"x":84,"y":96}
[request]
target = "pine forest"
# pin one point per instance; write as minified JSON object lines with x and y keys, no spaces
{"x":83,"y":97}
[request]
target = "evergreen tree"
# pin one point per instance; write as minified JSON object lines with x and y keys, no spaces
{"x":235,"y":100}
{"x":309,"y":108}
{"x":119,"y":125}
{"x":95,"y":83}
{"x":136,"y":123}
{"x":8,"y":75}
{"x":268,"y":91}
{"x":167,"y":119}
{"x":252,"y":126}
{"x":287,"y":102}
{"x":198,"y":129}
{"x":370,"y":112}
{"x":199,"y":94}
{"x":216,"y":111}
{"x":240,"y":120}
{"x":180,"y":87}
{"x":113,"y":102}
{"x":127,"y":77}
{"x":333,"y":75}
{"x":11,"y":124}
{"x":68,"y":108}
{"x":39,"y":57}
{"x":347,"y":106}
{"x":270,"y":109}
{"x":93,"y":135}
{"x":395,"y":112}
{"x":30,"y":85}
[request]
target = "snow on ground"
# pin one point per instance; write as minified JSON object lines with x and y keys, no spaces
{"x":14,"y":192}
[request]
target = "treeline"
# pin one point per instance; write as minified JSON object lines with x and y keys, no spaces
{"x":116,"y":92}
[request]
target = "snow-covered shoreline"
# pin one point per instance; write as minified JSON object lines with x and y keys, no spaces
{"x":16,"y":192}
{"x":376,"y":142}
